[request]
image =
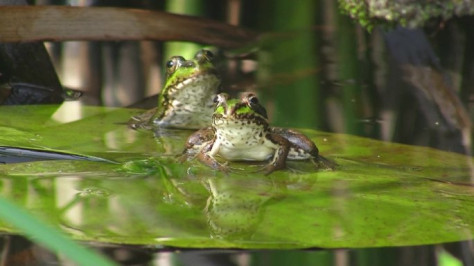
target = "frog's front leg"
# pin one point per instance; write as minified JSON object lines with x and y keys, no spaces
{"x":207,"y":153}
{"x":199,"y":138}
{"x":196,"y":142}
{"x":142,"y":120}
{"x":281,"y":153}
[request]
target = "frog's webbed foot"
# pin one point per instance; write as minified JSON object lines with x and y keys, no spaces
{"x":196,"y":143}
{"x":293,"y":170}
{"x":270,"y":168}
{"x":273,"y":166}
{"x":324,"y":163}
{"x":199,"y":138}
{"x":184,"y":156}
{"x":141,"y":121}
{"x":210,"y":161}
{"x":188,"y":153}
{"x":225,"y":168}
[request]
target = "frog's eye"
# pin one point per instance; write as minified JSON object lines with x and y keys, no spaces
{"x":208,"y":54}
{"x":173,"y":64}
{"x":188,"y":64}
{"x":204,"y":55}
{"x":170,"y":64}
{"x":171,"y":67}
{"x":253,"y":99}
{"x":254,"y":104}
{"x":220,"y":98}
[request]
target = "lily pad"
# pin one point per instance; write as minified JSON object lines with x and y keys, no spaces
{"x":381,"y":194}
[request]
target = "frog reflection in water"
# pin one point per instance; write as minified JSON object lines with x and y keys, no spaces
{"x":186,"y":101}
{"x":240,"y":132}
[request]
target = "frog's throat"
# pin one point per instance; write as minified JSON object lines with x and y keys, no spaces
{"x":184,"y":82}
{"x":239,"y":119}
{"x":166,"y":99}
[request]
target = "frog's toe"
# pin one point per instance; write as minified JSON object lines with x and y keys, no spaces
{"x":270,"y":168}
{"x":323,"y":163}
{"x":182,"y":158}
{"x":224,"y":168}
{"x":294,"y":170}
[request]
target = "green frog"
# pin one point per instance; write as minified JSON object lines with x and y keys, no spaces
{"x":240,"y":132}
{"x":186,"y":101}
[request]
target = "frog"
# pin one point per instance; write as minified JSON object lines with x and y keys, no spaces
{"x":186,"y":100}
{"x":240,"y":131}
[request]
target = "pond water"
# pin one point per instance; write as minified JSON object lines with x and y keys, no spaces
{"x":387,"y":204}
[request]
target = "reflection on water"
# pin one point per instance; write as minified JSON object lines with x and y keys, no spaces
{"x":234,"y":213}
{"x":166,"y":204}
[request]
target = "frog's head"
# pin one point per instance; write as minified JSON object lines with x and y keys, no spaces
{"x":186,"y":99}
{"x":181,"y":72}
{"x":248,"y":109}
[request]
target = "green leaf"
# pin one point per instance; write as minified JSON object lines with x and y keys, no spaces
{"x":381,"y":194}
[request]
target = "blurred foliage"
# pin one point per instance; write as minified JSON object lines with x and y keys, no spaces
{"x":412,"y":13}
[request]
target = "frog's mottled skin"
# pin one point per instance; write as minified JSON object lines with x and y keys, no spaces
{"x":186,"y":101}
{"x":240,"y":132}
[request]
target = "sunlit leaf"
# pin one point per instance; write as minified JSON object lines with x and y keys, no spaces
{"x":381,"y":194}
